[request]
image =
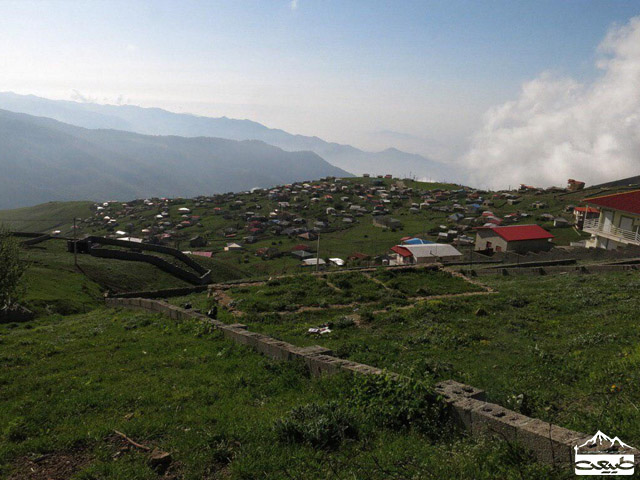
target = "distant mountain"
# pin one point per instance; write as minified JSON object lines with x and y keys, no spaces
{"x":155,"y":121}
{"x":44,"y":160}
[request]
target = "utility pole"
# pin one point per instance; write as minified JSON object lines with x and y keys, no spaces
{"x":318,"y":254}
{"x":75,"y":243}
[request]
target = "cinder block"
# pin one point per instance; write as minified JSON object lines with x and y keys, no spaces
{"x":238,"y":325}
{"x":549,"y":443}
{"x":363,"y":369}
{"x":315,"y":350}
{"x":492,"y":419}
{"x":461,"y":409}
{"x":452,"y":389}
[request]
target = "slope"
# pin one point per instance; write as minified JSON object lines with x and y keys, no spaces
{"x":44,"y":160}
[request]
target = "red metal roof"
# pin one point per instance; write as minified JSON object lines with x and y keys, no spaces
{"x":626,"y":202}
{"x":516,"y":233}
{"x":403,"y":252}
{"x":586,"y":209}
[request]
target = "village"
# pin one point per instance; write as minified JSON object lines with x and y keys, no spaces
{"x":337,"y":223}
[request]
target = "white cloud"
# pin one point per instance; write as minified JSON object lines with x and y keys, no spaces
{"x":559,"y":128}
{"x":293,"y":4}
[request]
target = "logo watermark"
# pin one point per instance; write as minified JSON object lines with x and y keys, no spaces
{"x":603,"y":455}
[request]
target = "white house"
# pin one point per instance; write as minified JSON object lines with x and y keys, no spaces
{"x":425,"y":253}
{"x":618,"y":224}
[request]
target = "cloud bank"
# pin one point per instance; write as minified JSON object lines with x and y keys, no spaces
{"x":559,"y":128}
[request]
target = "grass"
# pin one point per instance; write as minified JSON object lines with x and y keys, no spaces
{"x":221,"y":411}
{"x":424,"y":282}
{"x":561,"y":348}
{"x":45,"y":217}
{"x":52,"y":280}
{"x":284,"y":294}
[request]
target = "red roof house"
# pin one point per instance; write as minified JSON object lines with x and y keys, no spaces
{"x":625,"y":202}
{"x":618,"y":224}
{"x":517,"y":238}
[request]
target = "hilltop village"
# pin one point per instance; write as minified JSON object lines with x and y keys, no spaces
{"x":365,"y":221}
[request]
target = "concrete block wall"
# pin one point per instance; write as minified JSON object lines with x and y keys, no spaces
{"x":468,"y":406}
{"x":552,"y":270}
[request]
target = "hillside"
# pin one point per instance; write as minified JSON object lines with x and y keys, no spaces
{"x":57,"y":161}
{"x":155,"y":121}
{"x":45,"y":217}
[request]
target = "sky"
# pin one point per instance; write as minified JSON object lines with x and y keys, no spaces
{"x":431,"y":77}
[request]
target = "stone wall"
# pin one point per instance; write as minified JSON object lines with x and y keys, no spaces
{"x":552,"y":270}
{"x":549,"y":443}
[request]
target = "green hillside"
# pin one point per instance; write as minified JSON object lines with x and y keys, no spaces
{"x":45,"y":217}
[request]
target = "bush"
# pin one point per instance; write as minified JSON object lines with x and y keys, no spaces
{"x":11,"y":269}
{"x":401,"y":403}
{"x":323,"y":426}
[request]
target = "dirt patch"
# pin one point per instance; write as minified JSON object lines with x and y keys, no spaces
{"x":51,"y":466}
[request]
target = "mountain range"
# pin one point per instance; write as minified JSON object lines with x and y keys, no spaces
{"x":42,"y":160}
{"x":155,"y":121}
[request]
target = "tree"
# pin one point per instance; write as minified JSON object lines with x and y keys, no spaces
{"x":11,"y":269}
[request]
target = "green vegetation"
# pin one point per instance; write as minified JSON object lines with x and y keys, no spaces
{"x":45,"y":217}
{"x":356,"y":287}
{"x":54,"y":284}
{"x":282,"y":294}
{"x":68,"y":383}
{"x":11,"y":269}
{"x":421,"y":282}
{"x":562,"y":348}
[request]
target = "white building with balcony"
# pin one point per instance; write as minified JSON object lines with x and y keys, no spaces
{"x":619,"y":222}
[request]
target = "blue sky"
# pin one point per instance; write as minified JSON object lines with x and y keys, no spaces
{"x":343,"y":70}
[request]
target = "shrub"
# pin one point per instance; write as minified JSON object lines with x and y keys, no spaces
{"x":318,"y":425}
{"x":11,"y":269}
{"x":401,"y":403}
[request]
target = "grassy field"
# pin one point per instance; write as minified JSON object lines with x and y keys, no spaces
{"x":561,"y":348}
{"x":45,"y":217}
{"x":419,"y":282}
{"x":221,"y":411}
{"x":53,"y":283}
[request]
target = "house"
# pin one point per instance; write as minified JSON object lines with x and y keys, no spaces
{"x":513,"y":238}
{"x":233,"y":247}
{"x":425,"y":253}
{"x":198,"y":241}
{"x":618,"y":223}
{"x":312,"y":262}
{"x":560,"y":222}
{"x":338,"y":262}
{"x":301,"y":254}
{"x":582,"y":213}
{"x":308,"y":236}
{"x":358,"y":257}
{"x":574,"y":185}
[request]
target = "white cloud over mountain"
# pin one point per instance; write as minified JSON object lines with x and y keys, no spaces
{"x":559,"y":128}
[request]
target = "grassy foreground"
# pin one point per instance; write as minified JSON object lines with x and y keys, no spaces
{"x":563,"y":348}
{"x":222,"y":411}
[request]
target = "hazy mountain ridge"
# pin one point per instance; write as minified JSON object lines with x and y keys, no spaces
{"x":44,"y":160}
{"x":156,"y":121}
